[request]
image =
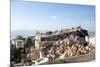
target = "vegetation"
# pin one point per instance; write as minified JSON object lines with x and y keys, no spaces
{"x":60,"y":61}
{"x":49,"y":33}
{"x":19,"y":37}
{"x":16,"y":55}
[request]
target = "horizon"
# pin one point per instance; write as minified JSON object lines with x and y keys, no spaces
{"x":46,"y":30}
{"x":27,"y":33}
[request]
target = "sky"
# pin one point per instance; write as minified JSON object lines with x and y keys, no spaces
{"x":50,"y":16}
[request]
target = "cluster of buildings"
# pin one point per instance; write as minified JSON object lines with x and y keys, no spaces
{"x":74,"y":33}
{"x":45,"y":46}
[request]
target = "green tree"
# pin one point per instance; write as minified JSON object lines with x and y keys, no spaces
{"x":28,"y":42}
{"x":49,"y":33}
{"x":17,"y":55}
{"x":19,"y":37}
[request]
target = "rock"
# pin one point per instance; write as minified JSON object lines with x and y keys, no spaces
{"x":34,"y":54}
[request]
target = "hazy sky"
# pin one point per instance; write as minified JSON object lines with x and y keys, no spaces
{"x":50,"y":16}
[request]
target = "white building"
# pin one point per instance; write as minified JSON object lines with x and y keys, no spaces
{"x":19,"y":43}
{"x":37,"y":41}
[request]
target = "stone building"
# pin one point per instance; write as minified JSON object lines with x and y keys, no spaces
{"x":77,"y":34}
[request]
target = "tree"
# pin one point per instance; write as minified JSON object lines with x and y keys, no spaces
{"x":17,"y":55}
{"x":49,"y":33}
{"x":28,"y":42}
{"x":19,"y":37}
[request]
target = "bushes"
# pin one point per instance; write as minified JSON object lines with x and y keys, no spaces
{"x":17,"y":55}
{"x":60,"y":61}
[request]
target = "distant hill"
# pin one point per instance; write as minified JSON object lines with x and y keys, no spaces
{"x":26,"y":33}
{"x":23,"y":33}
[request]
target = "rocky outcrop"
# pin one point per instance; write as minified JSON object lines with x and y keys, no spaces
{"x":34,"y":54}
